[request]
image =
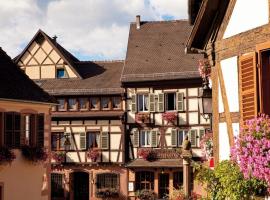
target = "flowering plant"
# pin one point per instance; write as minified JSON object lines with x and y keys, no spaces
{"x":169,"y":116}
{"x":178,"y":194}
{"x":93,"y":154}
{"x":145,"y":194}
{"x":59,"y":157}
{"x":6,"y":155}
{"x":141,"y":117}
{"x":204,"y":68}
{"x":252,"y":149}
{"x":107,"y":192}
{"x":147,"y":154}
{"x":34,"y":154}
{"x":206,"y":145}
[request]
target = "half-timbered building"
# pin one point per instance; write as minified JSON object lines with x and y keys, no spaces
{"x":162,"y":85}
{"x":234,"y":34}
{"x":24,"y":123}
{"x":87,"y":124}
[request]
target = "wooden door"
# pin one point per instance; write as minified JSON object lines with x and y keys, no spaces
{"x":81,"y":186}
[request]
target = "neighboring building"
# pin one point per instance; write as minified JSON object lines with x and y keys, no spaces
{"x":160,"y":79}
{"x":24,"y":120}
{"x":234,"y":34}
{"x":90,"y":116}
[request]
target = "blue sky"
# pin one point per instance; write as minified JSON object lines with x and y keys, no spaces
{"x":91,"y":29}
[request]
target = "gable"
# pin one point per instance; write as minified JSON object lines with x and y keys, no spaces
{"x":41,"y":60}
{"x":247,"y":15}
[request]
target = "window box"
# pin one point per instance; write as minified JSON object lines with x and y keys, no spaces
{"x":34,"y":154}
{"x":59,"y":157}
{"x":147,"y":154}
{"x":93,"y":154}
{"x":170,"y":117}
{"x":107,"y":193}
{"x":142,"y":118}
{"x":6,"y":155}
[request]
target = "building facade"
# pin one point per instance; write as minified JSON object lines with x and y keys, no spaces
{"x":25,"y":123}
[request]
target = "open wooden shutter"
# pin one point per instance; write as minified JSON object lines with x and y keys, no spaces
{"x":193,"y":137}
{"x":248,"y":87}
{"x":104,"y":144}
{"x":180,"y":101}
{"x":161,"y":102}
{"x":133,"y":103}
{"x":40,"y":130}
{"x":136,"y":138}
{"x":174,"y":137}
{"x":152,"y":103}
{"x":83,"y":141}
{"x":154,"y":138}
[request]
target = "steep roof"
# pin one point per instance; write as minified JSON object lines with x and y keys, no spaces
{"x":156,"y":51}
{"x":98,"y":77}
{"x":15,"y":85}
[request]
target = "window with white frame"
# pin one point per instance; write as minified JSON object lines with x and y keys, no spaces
{"x":181,"y":136}
{"x":145,"y":138}
{"x":143,"y":104}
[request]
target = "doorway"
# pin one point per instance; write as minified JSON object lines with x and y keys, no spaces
{"x":81,"y":185}
{"x":163,"y":186}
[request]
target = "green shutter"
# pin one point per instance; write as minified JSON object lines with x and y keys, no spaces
{"x":104,"y":140}
{"x":134,"y":103}
{"x":83,"y":141}
{"x":161,"y":102}
{"x":174,"y":137}
{"x":193,"y":137}
{"x":154,"y":139}
{"x":180,"y":101}
{"x":136,"y":138}
{"x":152,"y":103}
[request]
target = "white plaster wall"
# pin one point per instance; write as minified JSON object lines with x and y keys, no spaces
{"x":224,"y":146}
{"x":230,"y":75}
{"x":236,"y":129}
{"x":247,"y":14}
{"x":220,"y":102}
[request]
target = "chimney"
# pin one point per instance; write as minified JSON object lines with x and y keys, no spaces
{"x":138,"y":21}
{"x":54,"y":38}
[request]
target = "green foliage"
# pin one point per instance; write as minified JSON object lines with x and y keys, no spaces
{"x":226,"y":181}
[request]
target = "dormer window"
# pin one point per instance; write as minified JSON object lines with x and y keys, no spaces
{"x":61,"y":73}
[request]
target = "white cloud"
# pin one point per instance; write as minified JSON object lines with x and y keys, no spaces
{"x":98,"y":28}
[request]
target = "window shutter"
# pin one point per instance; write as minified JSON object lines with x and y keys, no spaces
{"x":40,"y":130}
{"x":248,"y":87}
{"x":23,"y":130}
{"x":154,"y":138}
{"x":136,"y":138}
{"x":104,"y":140}
{"x":83,"y":141}
{"x":161,"y":102}
{"x":193,"y":137}
{"x":202,"y":132}
{"x":134,"y":103}
{"x":180,"y":101}
{"x":152,"y":102}
{"x":174,"y":137}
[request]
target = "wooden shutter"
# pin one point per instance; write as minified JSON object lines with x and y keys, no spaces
{"x":161,"y":102}
{"x":154,"y":138}
{"x":152,"y":103}
{"x":174,"y":137}
{"x":193,"y":137}
{"x":133,"y":103}
{"x":180,"y":101}
{"x":82,"y":141}
{"x":248,"y":87}
{"x":104,"y":144}
{"x":23,"y":130}
{"x":40,"y":130}
{"x":136,"y":138}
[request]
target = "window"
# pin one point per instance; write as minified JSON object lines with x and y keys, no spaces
{"x":170,"y":101}
{"x":12,"y":130}
{"x":72,"y":104}
{"x":178,"y":180}
{"x":94,"y":103}
{"x":57,"y":186}
{"x":116,"y":103}
{"x":145,"y":138}
{"x":92,"y":140}
{"x":142,"y":102}
{"x":58,"y":141}
{"x":144,"y":180}
{"x":61,"y":73}
{"x":27,"y":126}
{"x":83,"y":103}
{"x":181,"y":136}
{"x":105,"y":103}
{"x":107,"y":182}
{"x":61,"y":105}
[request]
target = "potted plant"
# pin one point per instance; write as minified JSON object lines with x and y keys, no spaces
{"x":93,"y":154}
{"x":145,"y":194}
{"x":147,"y":154}
{"x":170,"y":117}
{"x":6,"y":155}
{"x":59,"y":157}
{"x":34,"y":154}
{"x":142,"y":117}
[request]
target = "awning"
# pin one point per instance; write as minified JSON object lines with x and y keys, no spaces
{"x":161,"y":163}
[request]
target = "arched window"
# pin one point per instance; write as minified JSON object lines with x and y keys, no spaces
{"x":144,"y":180}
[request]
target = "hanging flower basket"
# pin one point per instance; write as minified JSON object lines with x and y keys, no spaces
{"x":142,"y":117}
{"x":6,"y":155}
{"x":34,"y":154}
{"x":204,"y":68}
{"x":206,"y":145}
{"x":59,"y":157}
{"x":170,"y":117}
{"x":93,"y":154}
{"x":147,"y":154}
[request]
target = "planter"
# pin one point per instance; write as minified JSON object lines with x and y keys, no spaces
{"x":34,"y":154}
{"x":93,"y":154}
{"x":147,"y":154}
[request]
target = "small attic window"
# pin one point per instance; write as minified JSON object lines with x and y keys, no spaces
{"x":61,"y":73}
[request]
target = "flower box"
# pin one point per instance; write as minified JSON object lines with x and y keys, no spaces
{"x":170,"y":117}
{"x":142,"y":118}
{"x":34,"y":154}
{"x":147,"y":154}
{"x":6,"y":155}
{"x":107,"y":193}
{"x":93,"y":154}
{"x":59,"y":157}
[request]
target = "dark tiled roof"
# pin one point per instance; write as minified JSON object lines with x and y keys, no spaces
{"x":99,"y":77}
{"x":157,"y":52}
{"x":15,"y":85}
{"x":170,"y":163}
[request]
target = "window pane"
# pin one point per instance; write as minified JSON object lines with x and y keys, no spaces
{"x":92,"y":140}
{"x":94,"y":103}
{"x":105,"y":103}
{"x":143,"y":138}
{"x":180,"y":137}
{"x":83,"y":103}
{"x":61,"y":73}
{"x":144,"y":180}
{"x":71,"y":104}
{"x":57,"y":185}
{"x":116,"y":102}
{"x":145,"y":102}
{"x":54,"y":141}
{"x":170,"y":101}
{"x":61,"y":103}
{"x":140,"y":102}
{"x":148,"y":137}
